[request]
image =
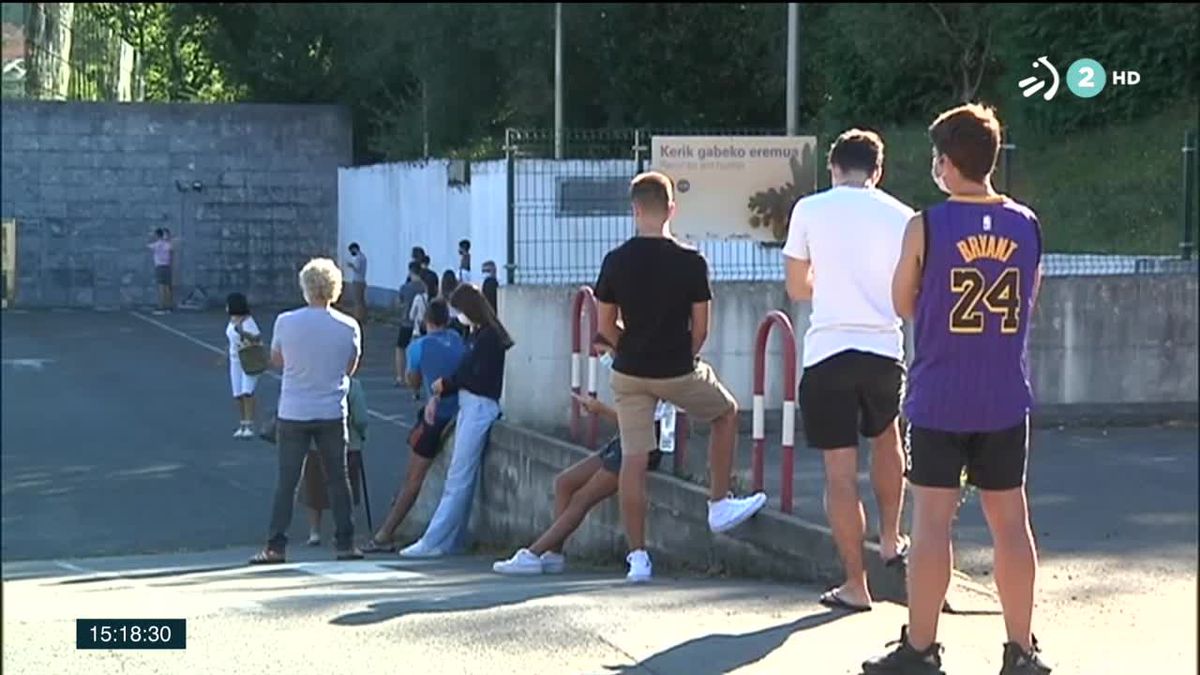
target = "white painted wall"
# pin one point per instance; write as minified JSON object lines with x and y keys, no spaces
{"x":489,"y":217}
{"x":389,"y":208}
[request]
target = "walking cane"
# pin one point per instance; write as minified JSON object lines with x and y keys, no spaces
{"x":362,"y":475}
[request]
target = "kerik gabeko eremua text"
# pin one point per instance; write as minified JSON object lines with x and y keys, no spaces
{"x":724,"y":152}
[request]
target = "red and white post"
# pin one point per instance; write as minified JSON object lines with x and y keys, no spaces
{"x":585,"y":303}
{"x":773,"y":319}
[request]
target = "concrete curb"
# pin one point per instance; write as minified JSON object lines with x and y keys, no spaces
{"x":514,"y":505}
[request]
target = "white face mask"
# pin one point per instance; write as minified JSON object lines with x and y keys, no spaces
{"x":606,"y":360}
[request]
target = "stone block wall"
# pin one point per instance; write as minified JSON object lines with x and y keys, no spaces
{"x":249,"y":190}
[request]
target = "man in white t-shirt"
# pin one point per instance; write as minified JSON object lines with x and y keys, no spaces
{"x":842,"y":248}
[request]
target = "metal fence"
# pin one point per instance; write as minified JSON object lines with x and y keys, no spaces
{"x":565,"y":214}
{"x":64,"y":51}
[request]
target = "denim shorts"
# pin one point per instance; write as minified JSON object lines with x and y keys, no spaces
{"x":610,"y":457}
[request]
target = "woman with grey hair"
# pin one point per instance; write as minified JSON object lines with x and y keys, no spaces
{"x":318,"y":349}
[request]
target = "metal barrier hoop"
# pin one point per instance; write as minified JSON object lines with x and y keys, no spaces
{"x":585,"y":300}
{"x":774,"y":319}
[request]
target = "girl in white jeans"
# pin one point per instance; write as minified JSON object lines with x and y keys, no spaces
{"x":478,"y":381}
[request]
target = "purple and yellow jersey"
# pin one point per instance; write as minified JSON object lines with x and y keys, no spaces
{"x":970,"y":370}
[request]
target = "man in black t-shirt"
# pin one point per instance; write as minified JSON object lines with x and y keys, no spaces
{"x":490,"y":285}
{"x":660,"y":288}
{"x":427,"y":275}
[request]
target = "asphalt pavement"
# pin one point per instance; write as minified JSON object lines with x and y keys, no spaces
{"x":116,"y":442}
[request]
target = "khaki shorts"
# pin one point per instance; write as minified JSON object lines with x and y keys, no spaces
{"x":699,"y":393}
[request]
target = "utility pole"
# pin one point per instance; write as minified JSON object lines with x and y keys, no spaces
{"x":558,"y":82}
{"x":793,"y":94}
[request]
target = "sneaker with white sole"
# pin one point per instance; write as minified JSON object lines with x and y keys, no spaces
{"x":242,"y":432}
{"x":733,"y":511}
{"x":523,"y":562}
{"x":640,"y":569}
{"x":419,"y":550}
{"x":553,"y":563}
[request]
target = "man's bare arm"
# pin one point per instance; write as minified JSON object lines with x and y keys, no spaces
{"x":606,"y":323}
{"x":906,"y":284}
{"x":799,"y":279}
{"x":700,"y":319}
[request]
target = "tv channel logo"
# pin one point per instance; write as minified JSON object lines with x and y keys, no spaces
{"x":1086,"y":78}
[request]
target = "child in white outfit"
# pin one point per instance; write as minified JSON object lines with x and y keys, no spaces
{"x":241,"y":329}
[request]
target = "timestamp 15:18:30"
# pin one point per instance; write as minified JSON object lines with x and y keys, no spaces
{"x":131,"y":633}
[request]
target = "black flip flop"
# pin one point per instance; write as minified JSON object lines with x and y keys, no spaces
{"x":900,"y":559}
{"x":832,"y":600}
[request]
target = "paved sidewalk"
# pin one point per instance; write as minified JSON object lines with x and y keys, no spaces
{"x":454,"y":616}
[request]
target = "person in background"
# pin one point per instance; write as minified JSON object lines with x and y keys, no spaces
{"x":163,"y":252}
{"x":241,"y":330}
{"x":429,"y":276}
{"x":478,"y":381}
{"x":491,"y":285}
{"x":318,"y":349}
{"x":464,"y":261}
{"x":435,"y":356}
{"x":417,"y":316}
{"x":408,"y":293}
{"x":357,"y":281}
{"x":583,"y":485}
{"x":311,"y":493}
{"x":449,"y":284}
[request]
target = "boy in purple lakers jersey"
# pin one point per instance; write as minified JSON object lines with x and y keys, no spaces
{"x":967,"y":279}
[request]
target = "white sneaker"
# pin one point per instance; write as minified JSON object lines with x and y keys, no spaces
{"x":523,"y":562}
{"x":733,"y":511}
{"x":242,"y":432}
{"x":419,"y":550}
{"x":640,"y":569}
{"x":314,"y":538}
{"x":553,"y":563}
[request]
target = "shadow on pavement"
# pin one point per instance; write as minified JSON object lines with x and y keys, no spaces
{"x":154,"y":574}
{"x":472,"y":598}
{"x":723,"y":653}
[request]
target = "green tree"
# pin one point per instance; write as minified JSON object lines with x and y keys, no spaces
{"x":172,"y":56}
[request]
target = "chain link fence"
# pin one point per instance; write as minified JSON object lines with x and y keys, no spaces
{"x":64,"y":52}
{"x":566,"y":213}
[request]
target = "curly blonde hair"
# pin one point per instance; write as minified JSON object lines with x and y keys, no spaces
{"x":321,"y":281}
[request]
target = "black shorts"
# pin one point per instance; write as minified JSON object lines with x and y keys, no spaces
{"x":425,"y":439}
{"x":404,"y":337}
{"x":610,"y":457}
{"x":993,"y":460}
{"x":162,"y":275}
{"x":849,"y":393}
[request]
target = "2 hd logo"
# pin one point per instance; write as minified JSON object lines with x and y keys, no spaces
{"x":1085,"y":78}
